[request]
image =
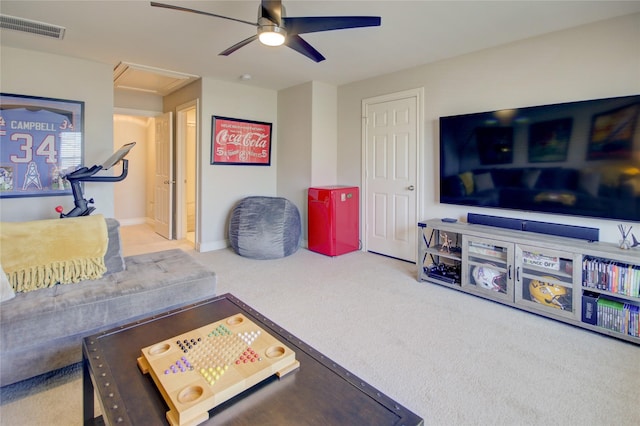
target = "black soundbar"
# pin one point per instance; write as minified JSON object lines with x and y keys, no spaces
{"x":571,"y":231}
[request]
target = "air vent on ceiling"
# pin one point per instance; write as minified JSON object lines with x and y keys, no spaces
{"x":31,"y":27}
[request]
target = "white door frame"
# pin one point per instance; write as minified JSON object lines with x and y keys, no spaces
{"x":418,"y":93}
{"x":181,"y":131}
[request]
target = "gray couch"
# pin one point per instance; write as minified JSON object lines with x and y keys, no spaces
{"x":42,"y":330}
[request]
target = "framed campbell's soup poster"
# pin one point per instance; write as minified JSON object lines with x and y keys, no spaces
{"x":240,"y":142}
{"x":41,"y":141}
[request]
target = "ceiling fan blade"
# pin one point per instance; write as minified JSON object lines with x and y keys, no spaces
{"x":272,"y":10}
{"x":200,"y":12}
{"x":237,"y":46}
{"x":296,"y":42}
{"x":328,"y":23}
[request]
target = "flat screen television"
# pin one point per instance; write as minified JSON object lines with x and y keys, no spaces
{"x":578,"y":158}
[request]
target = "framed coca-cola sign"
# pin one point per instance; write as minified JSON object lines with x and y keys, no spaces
{"x":240,"y":142}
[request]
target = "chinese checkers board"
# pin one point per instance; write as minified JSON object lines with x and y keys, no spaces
{"x":200,"y":369}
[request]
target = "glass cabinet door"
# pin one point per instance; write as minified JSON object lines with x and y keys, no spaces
{"x":488,"y":267}
{"x":545,"y":280}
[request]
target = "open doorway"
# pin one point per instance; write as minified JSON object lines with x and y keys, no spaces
{"x":133,"y":209}
{"x":132,"y":204}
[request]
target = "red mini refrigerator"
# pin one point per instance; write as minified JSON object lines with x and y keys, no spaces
{"x":334,"y":219}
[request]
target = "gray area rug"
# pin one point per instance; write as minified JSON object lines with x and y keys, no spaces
{"x":452,"y":358}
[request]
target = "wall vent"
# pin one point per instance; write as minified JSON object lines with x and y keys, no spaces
{"x":31,"y":27}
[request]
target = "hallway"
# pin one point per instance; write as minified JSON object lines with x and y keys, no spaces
{"x":137,"y":239}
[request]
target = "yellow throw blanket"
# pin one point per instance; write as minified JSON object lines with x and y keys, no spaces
{"x":43,"y":253}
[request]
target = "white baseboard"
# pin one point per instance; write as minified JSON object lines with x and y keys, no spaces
{"x":212,"y":245}
{"x":133,"y":221}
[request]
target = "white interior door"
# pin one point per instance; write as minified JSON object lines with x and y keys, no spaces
{"x":390,"y":135}
{"x":186,"y":171}
{"x":164,"y":180}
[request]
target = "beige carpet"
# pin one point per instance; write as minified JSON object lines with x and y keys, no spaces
{"x":452,"y":358}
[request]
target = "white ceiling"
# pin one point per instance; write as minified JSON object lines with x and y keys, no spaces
{"x":412,"y":33}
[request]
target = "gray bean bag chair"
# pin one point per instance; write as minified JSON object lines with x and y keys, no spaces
{"x":265,"y":228}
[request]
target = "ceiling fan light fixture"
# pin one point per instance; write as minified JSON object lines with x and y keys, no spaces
{"x":271,"y":35}
{"x":273,"y":26}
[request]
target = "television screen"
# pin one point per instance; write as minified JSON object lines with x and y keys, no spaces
{"x":578,"y":158}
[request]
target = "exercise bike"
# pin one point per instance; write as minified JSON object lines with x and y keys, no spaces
{"x":87,"y":174}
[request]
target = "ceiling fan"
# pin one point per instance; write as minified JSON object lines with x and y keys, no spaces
{"x":275,"y":29}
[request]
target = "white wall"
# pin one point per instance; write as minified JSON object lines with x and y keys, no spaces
{"x":136,"y":101}
{"x":307,"y":142}
{"x":150,"y":186}
{"x":26,"y":72}
{"x":142,"y":106}
{"x":130,"y":201}
{"x":324,"y":135}
{"x":222,"y":186}
{"x":294,"y":145}
{"x":593,"y":61}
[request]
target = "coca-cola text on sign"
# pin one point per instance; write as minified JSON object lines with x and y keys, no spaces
{"x":237,"y":141}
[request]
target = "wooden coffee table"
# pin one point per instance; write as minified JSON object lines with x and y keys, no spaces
{"x":320,"y":392}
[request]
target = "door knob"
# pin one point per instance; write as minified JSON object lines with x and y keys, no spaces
{"x":411,"y":188}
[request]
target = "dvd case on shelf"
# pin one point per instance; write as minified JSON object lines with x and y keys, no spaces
{"x":612,"y":276}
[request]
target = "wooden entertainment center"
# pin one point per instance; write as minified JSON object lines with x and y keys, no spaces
{"x":593,"y":285}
